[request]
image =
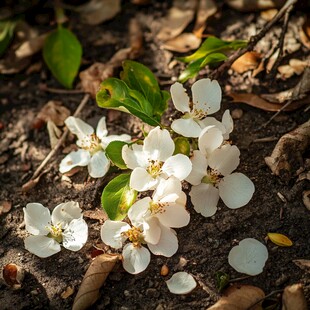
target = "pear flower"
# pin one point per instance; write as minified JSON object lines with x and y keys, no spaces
{"x":207,"y":96}
{"x":64,"y":227}
{"x":153,"y":160}
{"x":92,"y":146}
{"x":161,"y":240}
{"x":212,"y":178}
{"x":168,"y":205}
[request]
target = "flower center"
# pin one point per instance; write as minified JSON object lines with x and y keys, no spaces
{"x":157,"y":207}
{"x":198,"y":114}
{"x":134,"y":234}
{"x":91,"y":144}
{"x":154,"y":168}
{"x":212,"y":177}
{"x":55,"y":232}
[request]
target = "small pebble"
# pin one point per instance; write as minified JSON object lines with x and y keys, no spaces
{"x":127,"y":293}
{"x":236,"y":113}
{"x":164,"y":270}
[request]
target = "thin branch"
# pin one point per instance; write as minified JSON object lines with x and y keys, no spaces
{"x":262,"y":299}
{"x":43,"y":87}
{"x":61,"y":139}
{"x":253,"y":40}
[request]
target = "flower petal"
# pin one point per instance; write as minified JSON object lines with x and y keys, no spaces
{"x":64,"y":213}
{"x":167,"y":244}
{"x":101,"y":130}
{"x":135,"y":259}
{"x":236,"y":190}
{"x":169,"y":190}
{"x":210,"y":139}
{"x":79,"y":127}
{"x":174,"y":215}
{"x":225,"y":159}
{"x":134,"y":156}
{"x":207,"y":95}
{"x":151,"y":230}
{"x":106,"y":140}
{"x":141,"y":180}
{"x":248,"y":257}
{"x":205,"y":197}
{"x":139,"y":210}
{"x":99,"y":165}
{"x":73,"y":159}
{"x":37,"y":218}
{"x":158,"y":144}
{"x":75,"y":235}
{"x":212,"y":121}
{"x":179,"y":97}
{"x":228,"y":123}
{"x":178,"y":165}
{"x":181,"y":283}
{"x":42,"y":246}
{"x":186,"y":127}
{"x":199,"y":168}
{"x":111,"y":233}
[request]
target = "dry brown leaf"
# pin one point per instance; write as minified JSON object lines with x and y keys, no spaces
{"x":13,"y":275}
{"x":254,"y":5}
{"x":5,"y":207}
{"x":97,"y":214}
{"x":183,"y":43}
{"x":54,"y":133}
{"x":293,"y":298}
{"x":240,"y":297}
{"x":287,"y":154}
{"x":306,"y":199}
{"x":206,"y":9}
{"x":176,"y":20}
{"x":53,"y":111}
{"x":295,"y":66}
{"x":31,"y":47}
{"x":268,"y":15}
{"x":304,"y":33}
{"x":94,"y":278}
{"x":302,"y":264}
{"x":286,"y":71}
{"x":248,"y":61}
{"x":96,"y":12}
{"x":67,"y":293}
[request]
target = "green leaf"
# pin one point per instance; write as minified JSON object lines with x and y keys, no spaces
{"x":182,"y":146}
{"x":115,"y":94}
{"x":222,"y":279}
{"x":114,"y":152}
{"x":62,"y":53}
{"x":139,"y":77}
{"x":194,"y":67}
{"x":117,"y":197}
{"x":6,"y":34}
{"x":212,"y":45}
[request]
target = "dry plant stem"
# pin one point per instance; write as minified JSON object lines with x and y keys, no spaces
{"x":267,"y":296}
{"x":239,"y":279}
{"x":61,"y":139}
{"x":43,"y":87}
{"x":254,"y":39}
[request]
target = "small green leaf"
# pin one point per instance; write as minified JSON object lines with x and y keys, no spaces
{"x":6,"y":34}
{"x":222,"y":279}
{"x":182,"y":146}
{"x":115,"y":94}
{"x":62,"y":53}
{"x":117,"y":197}
{"x":114,"y":152}
{"x":140,"y":78}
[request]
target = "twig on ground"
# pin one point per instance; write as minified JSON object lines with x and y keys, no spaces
{"x":43,"y":87}
{"x":253,"y":40}
{"x":267,"y":296}
{"x":61,"y":139}
{"x":239,"y":279}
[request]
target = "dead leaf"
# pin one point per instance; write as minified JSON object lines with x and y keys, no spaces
{"x":53,"y":111}
{"x":306,"y":199}
{"x":254,"y":5}
{"x":268,"y":15}
{"x":287,"y":154}
{"x":183,"y":43}
{"x":5,"y":207}
{"x":295,"y":66}
{"x":32,"y":182}
{"x":248,"y":61}
{"x":302,"y":264}
{"x":67,"y":293}
{"x":304,"y":33}
{"x":279,"y":239}
{"x":31,"y":47}
{"x":94,"y":278}
{"x":96,"y":12}
{"x":54,"y":133}
{"x":293,"y":298}
{"x":286,"y":71}
{"x":176,"y":20}
{"x":240,"y":297}
{"x":13,"y":275}
{"x":206,"y":9}
{"x":97,"y":214}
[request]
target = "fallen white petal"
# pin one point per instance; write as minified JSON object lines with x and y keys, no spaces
{"x":75,"y":235}
{"x":228,"y":123}
{"x":74,"y":159}
{"x":181,"y":283}
{"x":179,"y":97}
{"x":111,"y":233}
{"x":99,"y":165}
{"x":178,"y":165}
{"x":65,"y":212}
{"x":186,"y":127}
{"x":42,"y":246}
{"x":135,"y":259}
{"x":248,"y":257}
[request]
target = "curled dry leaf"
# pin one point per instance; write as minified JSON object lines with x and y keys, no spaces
{"x":13,"y":275}
{"x":306,"y":199}
{"x":268,"y":15}
{"x":295,"y":66}
{"x":293,"y":298}
{"x":248,"y":61}
{"x":182,"y":43}
{"x":287,"y":154}
{"x":96,"y":12}
{"x":304,"y":33}
{"x":5,"y":207}
{"x":302,"y":264}
{"x":67,"y":293}
{"x":54,"y":133}
{"x":94,"y":278}
{"x":31,"y":47}
{"x":254,"y":5}
{"x":240,"y":297}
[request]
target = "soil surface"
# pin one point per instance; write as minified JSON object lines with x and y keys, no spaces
{"x":205,"y":243}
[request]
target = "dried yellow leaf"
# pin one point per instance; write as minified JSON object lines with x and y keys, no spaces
{"x":279,"y":239}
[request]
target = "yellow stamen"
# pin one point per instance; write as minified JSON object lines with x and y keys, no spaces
{"x":135,"y":236}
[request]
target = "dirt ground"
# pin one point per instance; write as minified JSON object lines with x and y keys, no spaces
{"x":203,"y":245}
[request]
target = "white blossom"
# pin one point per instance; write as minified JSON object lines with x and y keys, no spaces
{"x":207,"y":96}
{"x":65,"y":226}
{"x":154,"y":160}
{"x":91,"y":147}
